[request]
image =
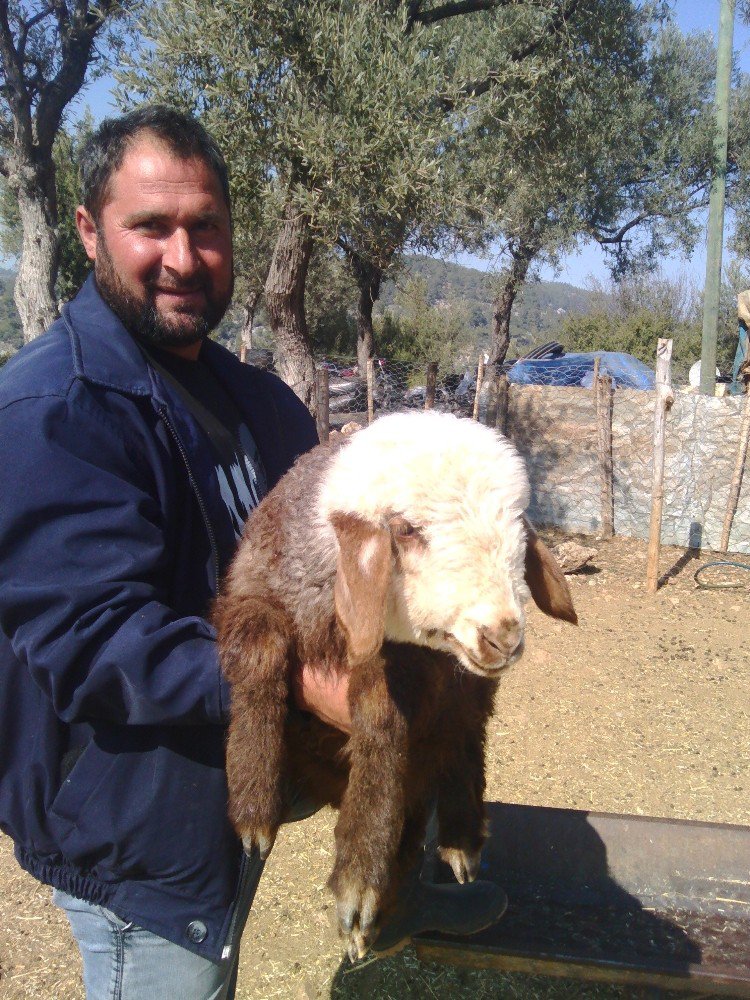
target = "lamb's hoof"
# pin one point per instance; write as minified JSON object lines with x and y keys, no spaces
{"x":357,"y":909}
{"x":465,"y":864}
{"x":261,"y":839}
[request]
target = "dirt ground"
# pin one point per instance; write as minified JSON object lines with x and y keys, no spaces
{"x":642,"y":709}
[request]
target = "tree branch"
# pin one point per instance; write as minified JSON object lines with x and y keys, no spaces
{"x":602,"y":238}
{"x":607,"y":237}
{"x":417,"y":16}
{"x":15,"y":86}
{"x":553,"y":26}
{"x":26,"y":27}
{"x":33,"y":83}
{"x":77,"y":36}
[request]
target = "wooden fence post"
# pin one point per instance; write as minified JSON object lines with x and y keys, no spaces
{"x":322,"y":403}
{"x":739,"y":468}
{"x":488,"y":408}
{"x":431,"y":387}
{"x":370,"y":390}
{"x":480,"y":379}
{"x":664,"y":399}
{"x":604,"y":403}
{"x":503,"y":391}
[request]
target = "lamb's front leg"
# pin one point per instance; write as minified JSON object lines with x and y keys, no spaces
{"x":255,"y":650}
{"x":462,"y":822}
{"x":368,"y":832}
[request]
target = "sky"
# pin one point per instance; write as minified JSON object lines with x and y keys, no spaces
{"x":588,"y":263}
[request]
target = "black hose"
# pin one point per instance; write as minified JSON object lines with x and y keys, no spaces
{"x":724,"y":584}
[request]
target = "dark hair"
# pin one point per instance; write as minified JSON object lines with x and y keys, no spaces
{"x":105,"y":149}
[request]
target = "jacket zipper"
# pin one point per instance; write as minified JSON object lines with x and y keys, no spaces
{"x":198,"y":496}
{"x":245,"y":869}
{"x":244,"y":863}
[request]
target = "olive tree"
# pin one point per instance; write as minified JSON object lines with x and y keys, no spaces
{"x":46,"y":50}
{"x":337,"y":117}
{"x":623,"y":156}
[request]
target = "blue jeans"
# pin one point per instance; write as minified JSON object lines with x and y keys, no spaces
{"x":122,"y":961}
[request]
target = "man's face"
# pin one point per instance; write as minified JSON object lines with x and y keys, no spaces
{"x":162,"y":248}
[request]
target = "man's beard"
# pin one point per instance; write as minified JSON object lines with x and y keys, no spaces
{"x":140,"y":316}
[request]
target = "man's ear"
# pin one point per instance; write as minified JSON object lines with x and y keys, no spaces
{"x":546,"y":580}
{"x":87,"y":231}
{"x":361,"y":588}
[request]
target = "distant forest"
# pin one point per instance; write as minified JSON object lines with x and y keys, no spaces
{"x":537,"y":315}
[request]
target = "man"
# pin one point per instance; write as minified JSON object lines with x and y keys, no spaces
{"x":132,"y":448}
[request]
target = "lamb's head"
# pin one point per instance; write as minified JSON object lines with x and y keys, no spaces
{"x":433,"y":545}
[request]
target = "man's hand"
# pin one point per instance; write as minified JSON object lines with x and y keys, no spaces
{"x":325,"y":695}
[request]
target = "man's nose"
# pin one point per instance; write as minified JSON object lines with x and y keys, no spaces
{"x":180,"y":255}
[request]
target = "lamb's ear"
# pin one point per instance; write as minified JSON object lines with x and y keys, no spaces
{"x":361,"y":587}
{"x":546,"y":580}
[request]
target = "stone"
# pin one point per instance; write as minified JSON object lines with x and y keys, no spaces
{"x":571,"y":556}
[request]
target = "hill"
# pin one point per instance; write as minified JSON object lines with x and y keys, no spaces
{"x":537,"y":315}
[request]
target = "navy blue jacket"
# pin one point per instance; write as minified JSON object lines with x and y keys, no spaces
{"x":113,"y":537}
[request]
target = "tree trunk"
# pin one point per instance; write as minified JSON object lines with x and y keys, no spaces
{"x":510,"y":283}
{"x":37,"y":270}
{"x":246,"y":333}
{"x":285,"y":303}
{"x":369,"y":278}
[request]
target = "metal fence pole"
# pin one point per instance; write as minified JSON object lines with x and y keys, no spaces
{"x":716,"y":200}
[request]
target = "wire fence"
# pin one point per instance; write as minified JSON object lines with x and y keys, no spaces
{"x":397,"y":386}
{"x":588,"y":438}
{"x":591,"y":438}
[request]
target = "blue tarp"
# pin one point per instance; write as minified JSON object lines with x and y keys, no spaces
{"x":578,"y":369}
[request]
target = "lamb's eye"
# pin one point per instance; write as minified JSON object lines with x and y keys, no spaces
{"x":403,"y":530}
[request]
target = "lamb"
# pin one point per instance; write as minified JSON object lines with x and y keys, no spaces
{"x":400,"y":555}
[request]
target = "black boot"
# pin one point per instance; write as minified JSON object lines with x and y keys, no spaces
{"x":450,"y":909}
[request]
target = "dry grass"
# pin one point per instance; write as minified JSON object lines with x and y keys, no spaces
{"x":643,"y":709}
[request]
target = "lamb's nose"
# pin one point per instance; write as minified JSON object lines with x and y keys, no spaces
{"x":502,"y":641}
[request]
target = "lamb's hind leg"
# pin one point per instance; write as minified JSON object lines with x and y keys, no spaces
{"x":255,"y":651}
{"x":370,"y":825}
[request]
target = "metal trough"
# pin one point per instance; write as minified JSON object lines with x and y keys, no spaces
{"x":620,"y":899}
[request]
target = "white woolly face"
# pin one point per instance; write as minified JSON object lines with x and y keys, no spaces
{"x":452,"y":493}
